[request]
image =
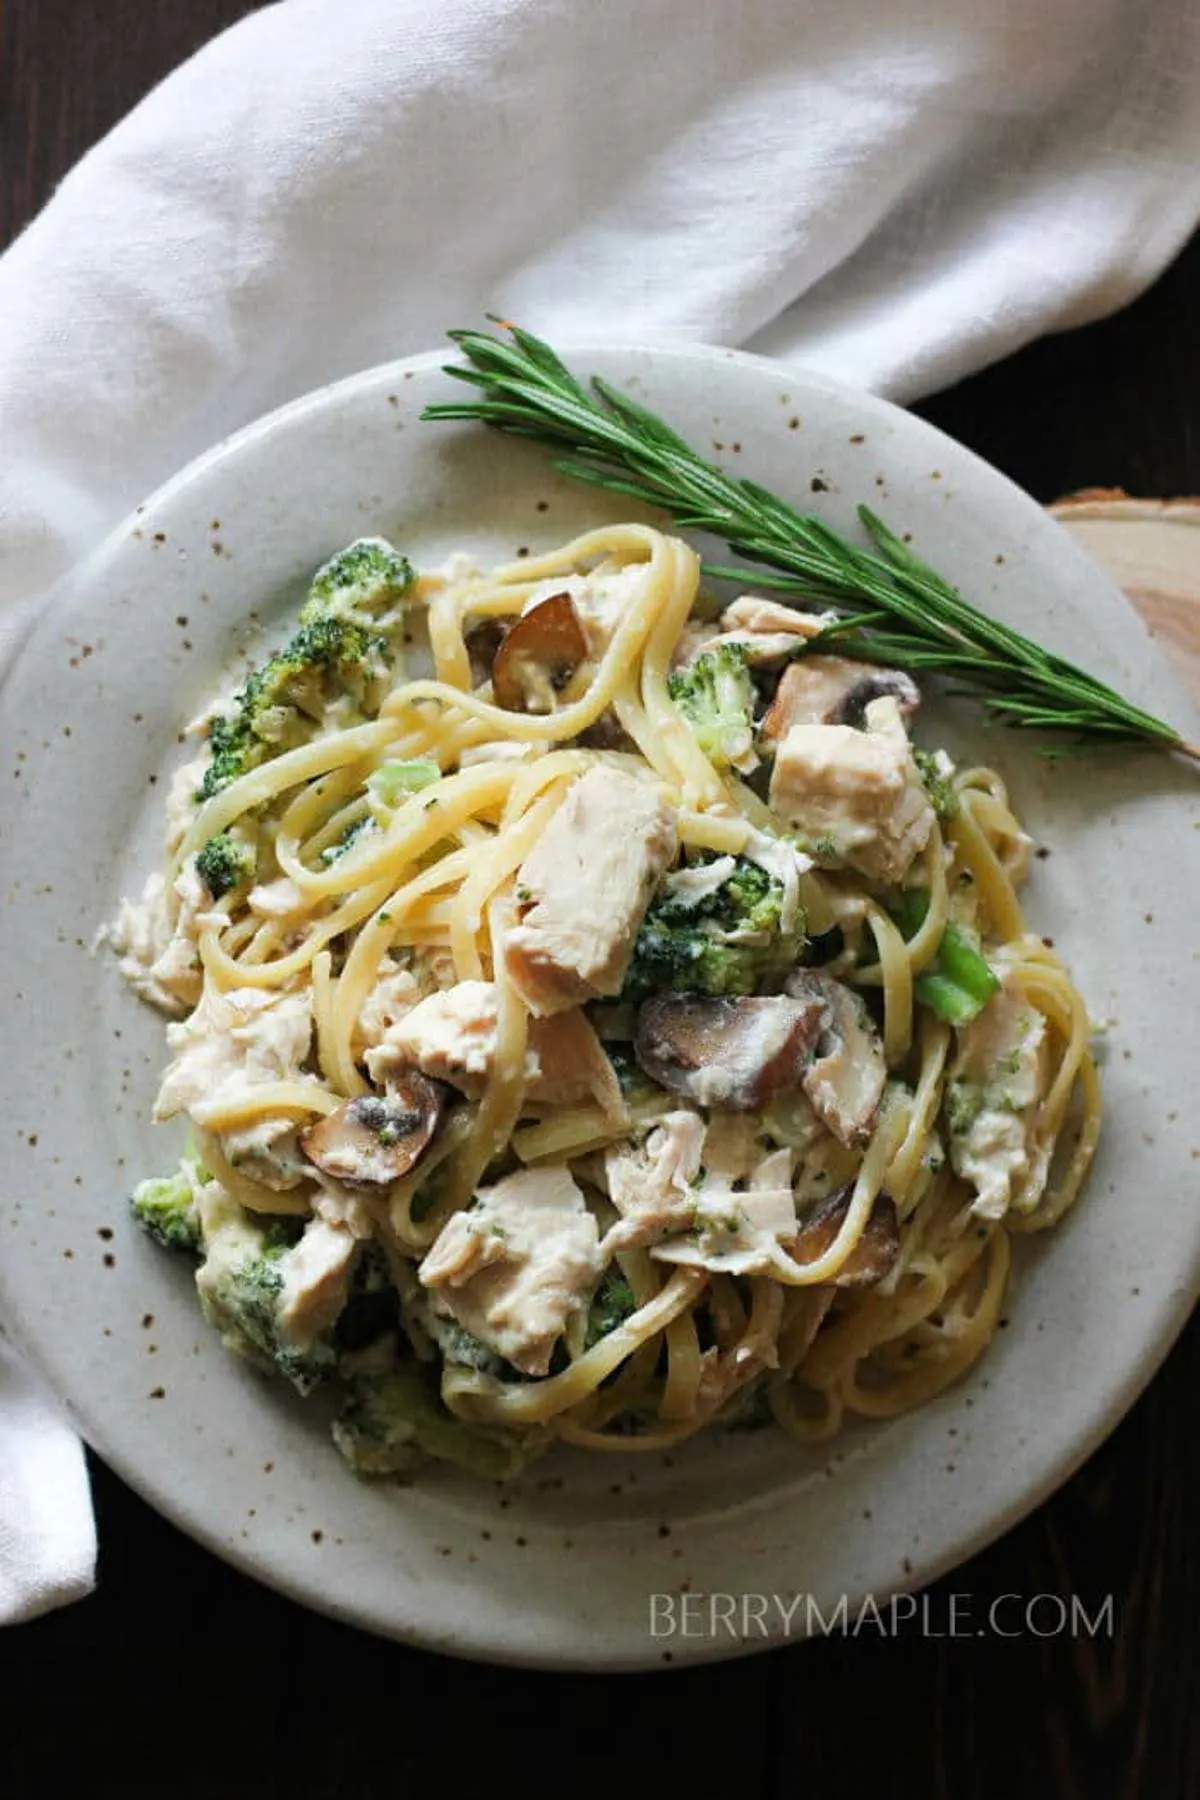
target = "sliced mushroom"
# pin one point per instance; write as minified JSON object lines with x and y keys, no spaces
{"x":844,"y":1078}
{"x":483,"y":641}
{"x":538,"y":656}
{"x":372,"y":1141}
{"x":733,"y":1053}
{"x":872,"y":1257}
{"x":832,"y":690}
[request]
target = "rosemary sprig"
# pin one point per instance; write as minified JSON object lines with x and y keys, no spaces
{"x":891,"y":606}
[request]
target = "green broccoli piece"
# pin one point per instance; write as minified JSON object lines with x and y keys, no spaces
{"x":391,"y":1421}
{"x":165,"y":1206}
{"x":728,"y":942}
{"x":393,"y":782}
{"x":716,"y":696}
{"x":360,"y":583}
{"x":226,"y":862}
{"x":937,"y":778}
{"x":240,"y":1284}
{"x":612,"y":1304}
{"x":278,"y":706}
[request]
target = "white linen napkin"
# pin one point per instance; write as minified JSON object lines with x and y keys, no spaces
{"x":894,"y":193}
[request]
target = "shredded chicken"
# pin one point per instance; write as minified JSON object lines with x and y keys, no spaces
{"x":234,"y":1041}
{"x":650,"y":1183}
{"x":517,"y":1265}
{"x":316,"y":1281}
{"x":452,"y":1036}
{"x":584,"y":889}
{"x":854,"y":795}
{"x":994,"y":1087}
{"x":738,"y":1231}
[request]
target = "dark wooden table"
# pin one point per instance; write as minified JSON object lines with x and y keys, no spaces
{"x":182,"y":1678}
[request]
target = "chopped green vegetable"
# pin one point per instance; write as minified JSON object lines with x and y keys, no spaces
{"x":226,"y":862}
{"x":360,"y":583}
{"x":958,"y":983}
{"x":729,"y":941}
{"x":391,"y":782}
{"x":165,"y":1206}
{"x":716,"y":696}
{"x":612,"y":1304}
{"x":938,"y":781}
{"x":241,"y":1283}
{"x":392,"y":1420}
{"x":278,"y":707}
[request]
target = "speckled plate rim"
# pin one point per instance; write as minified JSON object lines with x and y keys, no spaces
{"x":1017,"y":1492}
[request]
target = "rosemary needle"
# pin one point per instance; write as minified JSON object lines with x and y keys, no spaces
{"x":891,"y":607}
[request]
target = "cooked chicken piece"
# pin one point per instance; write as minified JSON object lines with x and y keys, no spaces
{"x":371,"y":1142}
{"x":996,"y":1082}
{"x":277,"y":899}
{"x":316,"y":1281}
{"x":398,"y":989}
{"x":732,"y":1053}
{"x":154,"y":937}
{"x":538,"y":656}
{"x":875,"y":1253}
{"x":584,"y":888}
{"x":832,"y":690}
{"x":651,"y":1183}
{"x":738,"y":1231}
{"x":517,"y":1265}
{"x":770,"y":618}
{"x":234,"y":1041}
{"x":268,"y":1151}
{"x":697,"y":635}
{"x":768,"y":632}
{"x":451,"y":1036}
{"x":844,"y":1078}
{"x":854,"y":795}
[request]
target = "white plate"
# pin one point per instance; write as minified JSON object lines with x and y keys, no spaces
{"x":560,"y":1570}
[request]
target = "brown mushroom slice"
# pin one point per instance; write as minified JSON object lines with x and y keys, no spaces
{"x":373,"y":1140}
{"x":844,"y":1079}
{"x":538,"y":656}
{"x":833,"y":690}
{"x":483,"y":640}
{"x":875,"y":1253}
{"x":733,"y":1053}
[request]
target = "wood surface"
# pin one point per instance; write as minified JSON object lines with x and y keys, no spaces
{"x":181,"y":1678}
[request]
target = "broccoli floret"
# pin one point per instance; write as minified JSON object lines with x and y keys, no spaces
{"x":165,"y":1206}
{"x":240,"y":1284}
{"x":361,"y":582}
{"x":729,"y":941}
{"x":612,"y":1304}
{"x":226,"y":862}
{"x":277,"y":707}
{"x":394,"y":1419}
{"x":716,"y":696}
{"x":937,"y":778}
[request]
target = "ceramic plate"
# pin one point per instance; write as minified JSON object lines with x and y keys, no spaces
{"x":561,"y":1569}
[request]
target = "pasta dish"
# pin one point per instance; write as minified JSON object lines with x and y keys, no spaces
{"x":595,"y":1020}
